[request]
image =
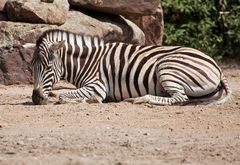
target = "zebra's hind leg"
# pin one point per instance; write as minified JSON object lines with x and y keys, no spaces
{"x":177,"y":97}
{"x":64,"y":98}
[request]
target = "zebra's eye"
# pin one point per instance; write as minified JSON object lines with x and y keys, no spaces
{"x":51,"y":56}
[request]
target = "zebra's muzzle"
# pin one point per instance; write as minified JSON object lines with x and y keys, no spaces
{"x":38,"y":98}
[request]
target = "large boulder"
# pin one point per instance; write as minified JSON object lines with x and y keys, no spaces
{"x":123,"y":7}
{"x":36,"y":11}
{"x":109,"y":27}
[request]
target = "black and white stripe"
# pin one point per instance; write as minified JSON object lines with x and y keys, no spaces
{"x":118,"y":71}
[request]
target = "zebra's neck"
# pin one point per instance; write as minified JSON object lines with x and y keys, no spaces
{"x":79,"y":64}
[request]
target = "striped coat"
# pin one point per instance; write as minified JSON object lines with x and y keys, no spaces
{"x":117,"y":71}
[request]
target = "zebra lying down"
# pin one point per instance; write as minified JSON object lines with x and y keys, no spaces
{"x":102,"y":72}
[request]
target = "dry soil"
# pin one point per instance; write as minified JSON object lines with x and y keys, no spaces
{"x":118,"y":133}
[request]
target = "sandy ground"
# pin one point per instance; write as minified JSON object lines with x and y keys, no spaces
{"x":118,"y":133}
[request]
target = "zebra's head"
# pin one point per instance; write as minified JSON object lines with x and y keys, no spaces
{"x":46,"y":66}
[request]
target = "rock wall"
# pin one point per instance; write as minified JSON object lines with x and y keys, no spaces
{"x":23,"y":21}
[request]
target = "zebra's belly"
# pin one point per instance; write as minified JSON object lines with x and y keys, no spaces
{"x":124,"y":90}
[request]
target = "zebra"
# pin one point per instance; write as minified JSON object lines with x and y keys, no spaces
{"x":113,"y":72}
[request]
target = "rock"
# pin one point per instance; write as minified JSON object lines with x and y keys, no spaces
{"x":35,"y":11}
{"x":109,"y":27}
{"x":91,"y":26}
{"x":123,"y":7}
{"x":15,"y":62}
{"x":15,"y":33}
{"x":2,"y":4}
{"x":14,"y":67}
{"x":153,"y":27}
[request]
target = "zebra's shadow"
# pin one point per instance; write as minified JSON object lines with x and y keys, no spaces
{"x":28,"y":103}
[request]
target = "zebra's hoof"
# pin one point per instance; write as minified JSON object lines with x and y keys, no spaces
{"x":94,"y":99}
{"x":51,"y":94}
{"x":62,"y":101}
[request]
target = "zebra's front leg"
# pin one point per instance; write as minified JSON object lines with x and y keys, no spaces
{"x":63,"y":99}
{"x":93,"y":93}
{"x":71,"y":97}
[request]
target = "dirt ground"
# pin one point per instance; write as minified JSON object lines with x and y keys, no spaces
{"x":118,"y":133}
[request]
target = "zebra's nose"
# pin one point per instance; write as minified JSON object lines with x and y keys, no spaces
{"x":38,"y":98}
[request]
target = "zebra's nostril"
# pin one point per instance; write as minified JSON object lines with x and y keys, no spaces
{"x":38,"y":98}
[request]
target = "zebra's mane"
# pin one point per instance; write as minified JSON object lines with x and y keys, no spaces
{"x":52,"y":31}
{"x":45,"y":36}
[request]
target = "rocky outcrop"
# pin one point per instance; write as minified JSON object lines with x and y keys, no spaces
{"x":15,"y":61}
{"x":123,"y":7}
{"x":153,"y":27}
{"x":109,"y":27}
{"x":15,"y":66}
{"x":35,"y":11}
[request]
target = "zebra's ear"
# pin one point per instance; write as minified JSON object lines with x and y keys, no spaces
{"x":58,"y":45}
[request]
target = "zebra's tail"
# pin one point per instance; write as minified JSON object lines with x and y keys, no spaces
{"x":226,"y":88}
